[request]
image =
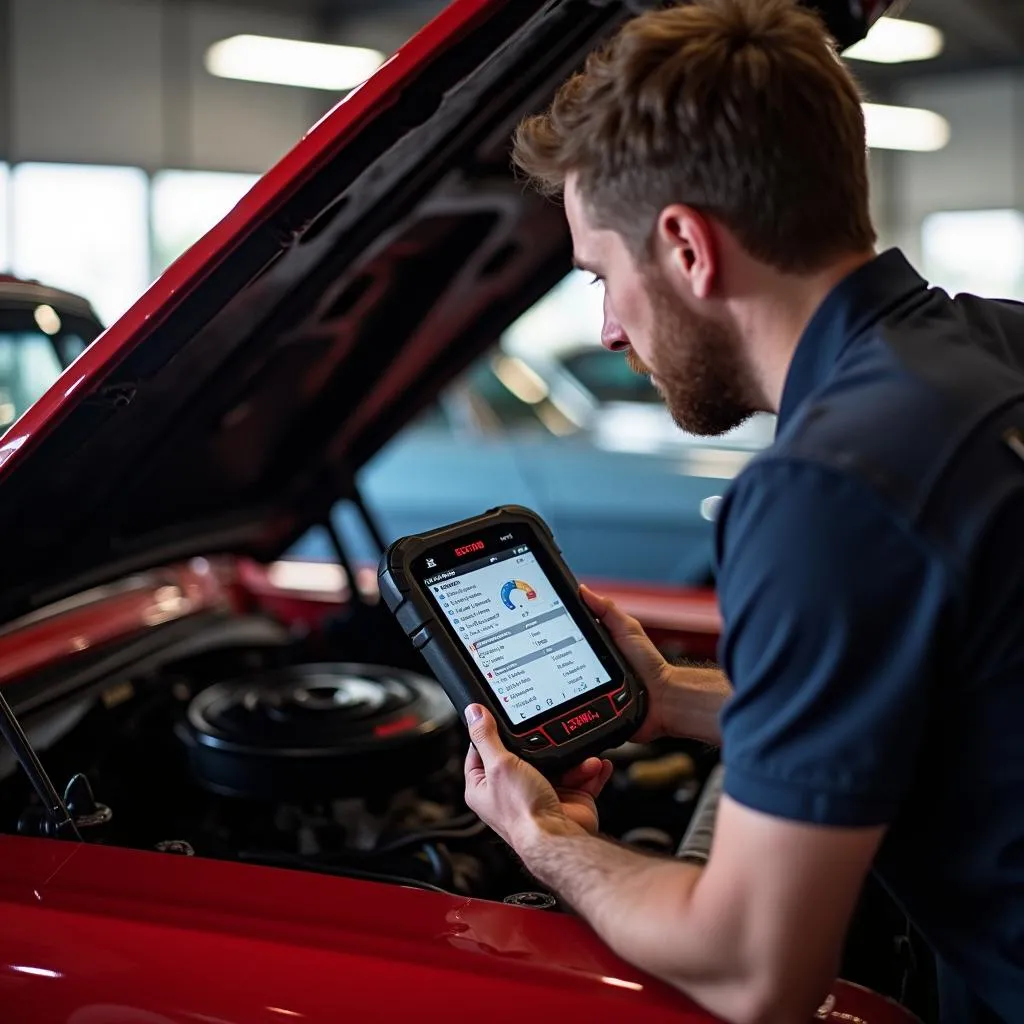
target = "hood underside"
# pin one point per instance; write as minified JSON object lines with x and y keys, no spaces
{"x":350,"y":287}
{"x":231,"y":406}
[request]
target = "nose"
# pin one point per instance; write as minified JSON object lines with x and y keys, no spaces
{"x":613,"y":336}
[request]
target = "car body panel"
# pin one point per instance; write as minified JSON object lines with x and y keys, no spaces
{"x":626,"y":515}
{"x":96,"y":935}
{"x":108,"y":615}
{"x":643,"y":518}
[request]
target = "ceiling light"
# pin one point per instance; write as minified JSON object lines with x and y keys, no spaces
{"x":893,"y":41}
{"x":292,"y":62}
{"x":907,"y":128}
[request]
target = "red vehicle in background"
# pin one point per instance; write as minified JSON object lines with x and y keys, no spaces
{"x":231,"y":792}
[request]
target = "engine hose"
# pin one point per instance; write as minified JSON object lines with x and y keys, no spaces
{"x":441,"y":866}
{"x":290,"y":861}
{"x":695,"y":846}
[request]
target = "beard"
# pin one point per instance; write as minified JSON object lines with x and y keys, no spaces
{"x":697,"y":367}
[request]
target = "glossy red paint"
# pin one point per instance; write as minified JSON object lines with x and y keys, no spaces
{"x":300,"y":593}
{"x":324,"y":139}
{"x":96,"y":935}
{"x":686,"y":618}
{"x":60,"y":632}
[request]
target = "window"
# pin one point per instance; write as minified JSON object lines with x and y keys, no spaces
{"x":569,"y":317}
{"x":5,"y":252}
{"x":82,"y":228}
{"x":186,"y":204}
{"x":29,"y":364}
{"x":609,"y":380}
{"x":976,"y":251}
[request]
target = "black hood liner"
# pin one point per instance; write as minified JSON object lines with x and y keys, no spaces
{"x":243,"y":414}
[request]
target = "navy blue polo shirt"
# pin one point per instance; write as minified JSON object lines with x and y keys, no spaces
{"x":871,"y":582}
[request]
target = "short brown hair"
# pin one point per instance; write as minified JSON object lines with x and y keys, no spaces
{"x":740,"y":108}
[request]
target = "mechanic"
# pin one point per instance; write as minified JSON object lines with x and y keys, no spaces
{"x":713,"y":164}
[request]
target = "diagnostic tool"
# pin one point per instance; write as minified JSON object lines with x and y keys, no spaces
{"x":496,"y":612}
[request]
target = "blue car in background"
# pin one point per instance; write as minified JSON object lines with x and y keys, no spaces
{"x":579,"y":438}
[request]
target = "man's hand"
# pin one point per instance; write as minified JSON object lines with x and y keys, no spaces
{"x":513,"y":797}
{"x":647,"y":661}
{"x":682,"y":701}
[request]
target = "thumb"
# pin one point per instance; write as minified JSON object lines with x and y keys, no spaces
{"x":628,"y":635}
{"x":484,"y":733}
{"x":618,"y":623}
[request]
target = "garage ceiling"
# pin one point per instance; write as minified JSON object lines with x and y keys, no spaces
{"x":978,"y":32}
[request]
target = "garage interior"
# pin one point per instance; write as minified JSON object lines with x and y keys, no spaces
{"x":129,"y":128}
{"x":109,"y":104}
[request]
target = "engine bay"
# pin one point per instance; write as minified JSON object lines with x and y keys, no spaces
{"x":289,"y":755}
{"x":253,"y":738}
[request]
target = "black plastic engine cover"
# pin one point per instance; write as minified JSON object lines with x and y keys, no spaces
{"x":313,"y":732}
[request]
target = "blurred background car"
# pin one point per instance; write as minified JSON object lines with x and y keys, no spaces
{"x":42,"y":330}
{"x":551,"y":420}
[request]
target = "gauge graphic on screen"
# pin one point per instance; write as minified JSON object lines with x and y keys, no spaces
{"x":516,"y":585}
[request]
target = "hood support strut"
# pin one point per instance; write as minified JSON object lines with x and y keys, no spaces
{"x":60,"y":823}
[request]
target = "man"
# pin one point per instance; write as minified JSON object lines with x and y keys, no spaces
{"x":871,"y":563}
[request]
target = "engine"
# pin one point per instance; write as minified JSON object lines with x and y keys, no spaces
{"x":346,"y":768}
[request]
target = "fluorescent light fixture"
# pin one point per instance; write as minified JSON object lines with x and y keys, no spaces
{"x":292,"y":62}
{"x":893,"y":41}
{"x":906,"y":128}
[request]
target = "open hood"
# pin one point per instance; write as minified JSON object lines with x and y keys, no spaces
{"x":228,"y":409}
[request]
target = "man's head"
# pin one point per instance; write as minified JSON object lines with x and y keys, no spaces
{"x":707,"y":149}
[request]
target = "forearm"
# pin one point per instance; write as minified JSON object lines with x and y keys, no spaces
{"x":643,"y":908}
{"x":691,"y":702}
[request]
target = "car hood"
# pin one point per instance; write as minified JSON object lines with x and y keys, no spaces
{"x":229,"y":408}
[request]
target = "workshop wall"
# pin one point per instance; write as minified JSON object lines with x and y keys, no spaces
{"x":122,"y":82}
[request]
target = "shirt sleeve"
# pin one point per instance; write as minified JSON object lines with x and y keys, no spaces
{"x":833,"y":613}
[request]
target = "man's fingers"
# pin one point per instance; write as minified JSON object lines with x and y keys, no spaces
{"x":484,"y":733}
{"x":473,"y":762}
{"x":595,"y":602}
{"x":618,"y":623}
{"x":590,"y":777}
{"x":475,"y":774}
{"x":581,"y":774}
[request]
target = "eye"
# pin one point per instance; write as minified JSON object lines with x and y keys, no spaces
{"x":595,"y":279}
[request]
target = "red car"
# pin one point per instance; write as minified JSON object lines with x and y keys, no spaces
{"x":227,"y":797}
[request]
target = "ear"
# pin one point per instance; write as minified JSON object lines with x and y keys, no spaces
{"x":687,"y":244}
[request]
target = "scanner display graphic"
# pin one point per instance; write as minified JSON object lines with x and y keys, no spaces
{"x":511,"y":587}
{"x":521,"y":636}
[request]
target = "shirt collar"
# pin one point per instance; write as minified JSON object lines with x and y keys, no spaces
{"x":858,"y":302}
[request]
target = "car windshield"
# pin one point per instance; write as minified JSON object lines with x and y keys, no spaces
{"x":608,"y":378}
{"x":30,"y":361}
